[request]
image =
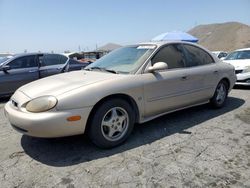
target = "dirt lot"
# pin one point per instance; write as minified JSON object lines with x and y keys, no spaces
{"x":197,"y":147}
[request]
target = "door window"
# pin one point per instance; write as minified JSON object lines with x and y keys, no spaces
{"x":196,"y":56}
{"x":53,"y":59}
{"x":23,"y":62}
{"x":172,"y":55}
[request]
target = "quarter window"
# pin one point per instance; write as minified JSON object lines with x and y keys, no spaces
{"x":196,"y":56}
{"x":23,"y":62}
{"x":172,"y":55}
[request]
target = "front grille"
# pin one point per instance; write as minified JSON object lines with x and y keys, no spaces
{"x":238,"y":71}
{"x":14,"y":103}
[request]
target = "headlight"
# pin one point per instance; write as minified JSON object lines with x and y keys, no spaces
{"x":246,"y":70}
{"x":41,"y":104}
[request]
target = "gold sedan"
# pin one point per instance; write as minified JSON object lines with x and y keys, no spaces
{"x":133,"y":84}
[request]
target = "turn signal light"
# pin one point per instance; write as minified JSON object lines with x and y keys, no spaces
{"x":74,"y":118}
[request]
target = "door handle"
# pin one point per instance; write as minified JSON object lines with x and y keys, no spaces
{"x":216,"y":72}
{"x":33,"y":71}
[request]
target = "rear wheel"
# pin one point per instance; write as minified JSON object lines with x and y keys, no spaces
{"x":112,"y":123}
{"x":220,"y":95}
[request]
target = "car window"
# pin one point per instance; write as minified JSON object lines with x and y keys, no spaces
{"x":220,"y":55}
{"x":63,"y":59}
{"x":172,"y":55}
{"x":224,"y":55}
{"x":196,"y":56}
{"x":73,"y":62}
{"x":40,"y":59}
{"x":52,"y":59}
{"x":23,"y":62}
{"x":125,"y":60}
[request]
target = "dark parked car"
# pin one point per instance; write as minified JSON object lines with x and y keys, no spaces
{"x":76,"y":64}
{"x":23,"y":68}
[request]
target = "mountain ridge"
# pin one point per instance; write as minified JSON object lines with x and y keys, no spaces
{"x":226,"y":36}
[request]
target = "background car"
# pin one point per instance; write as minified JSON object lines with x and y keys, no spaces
{"x":76,"y":65}
{"x":133,"y":84}
{"x":240,"y":59}
{"x":4,"y":58}
{"x":23,"y":68}
{"x":220,"y":54}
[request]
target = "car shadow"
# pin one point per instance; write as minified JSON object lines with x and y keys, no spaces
{"x":241,"y":87}
{"x":78,"y":149}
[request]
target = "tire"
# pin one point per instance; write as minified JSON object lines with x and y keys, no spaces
{"x":111,"y":124}
{"x":220,"y":95}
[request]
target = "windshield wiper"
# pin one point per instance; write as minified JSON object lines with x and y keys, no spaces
{"x":102,"y":69}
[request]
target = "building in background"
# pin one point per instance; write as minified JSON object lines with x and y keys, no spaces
{"x":92,"y":56}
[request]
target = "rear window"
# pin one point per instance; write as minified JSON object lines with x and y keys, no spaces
{"x":52,"y":59}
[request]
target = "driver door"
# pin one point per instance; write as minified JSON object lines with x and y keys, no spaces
{"x":166,"y":90}
{"x":22,"y":71}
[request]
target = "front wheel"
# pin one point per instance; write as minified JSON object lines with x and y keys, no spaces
{"x":220,"y":95}
{"x":112,"y":123}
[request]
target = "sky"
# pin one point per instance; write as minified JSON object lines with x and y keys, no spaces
{"x":59,"y":25}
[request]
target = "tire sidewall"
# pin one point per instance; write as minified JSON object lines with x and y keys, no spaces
{"x":214,"y":102}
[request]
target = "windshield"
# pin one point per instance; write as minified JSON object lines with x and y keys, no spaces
{"x":239,"y":55}
{"x":124,"y":60}
{"x":3,"y":59}
{"x":216,"y":53}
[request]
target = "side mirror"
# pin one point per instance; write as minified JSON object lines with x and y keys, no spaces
{"x":158,"y":66}
{"x":5,"y":68}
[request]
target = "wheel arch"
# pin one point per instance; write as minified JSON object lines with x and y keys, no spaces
{"x":122,"y":96}
{"x":227,"y":81}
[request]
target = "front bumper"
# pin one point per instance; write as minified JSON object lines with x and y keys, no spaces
{"x":47,"y":124}
{"x":243,"y":79}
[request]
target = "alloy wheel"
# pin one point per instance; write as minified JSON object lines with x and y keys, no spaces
{"x":115,"y":124}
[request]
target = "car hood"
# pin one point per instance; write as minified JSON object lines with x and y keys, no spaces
{"x":239,"y":64}
{"x":61,"y":83}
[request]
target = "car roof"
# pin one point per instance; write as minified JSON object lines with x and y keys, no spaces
{"x":12,"y":57}
{"x":161,"y":43}
{"x":243,"y":49}
{"x":34,"y":53}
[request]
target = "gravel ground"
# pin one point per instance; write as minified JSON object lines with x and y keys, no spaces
{"x":197,"y":147}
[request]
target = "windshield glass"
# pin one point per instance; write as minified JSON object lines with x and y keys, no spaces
{"x":216,"y":53}
{"x":239,"y":55}
{"x":3,"y":59}
{"x":124,"y":60}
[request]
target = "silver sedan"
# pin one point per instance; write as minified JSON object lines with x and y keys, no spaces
{"x":133,"y":84}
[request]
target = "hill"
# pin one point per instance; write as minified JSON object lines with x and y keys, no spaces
{"x":224,"y":36}
{"x":109,"y":47}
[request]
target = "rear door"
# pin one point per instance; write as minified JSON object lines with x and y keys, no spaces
{"x":51,"y":64}
{"x":202,"y":71}
{"x":22,"y":71}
